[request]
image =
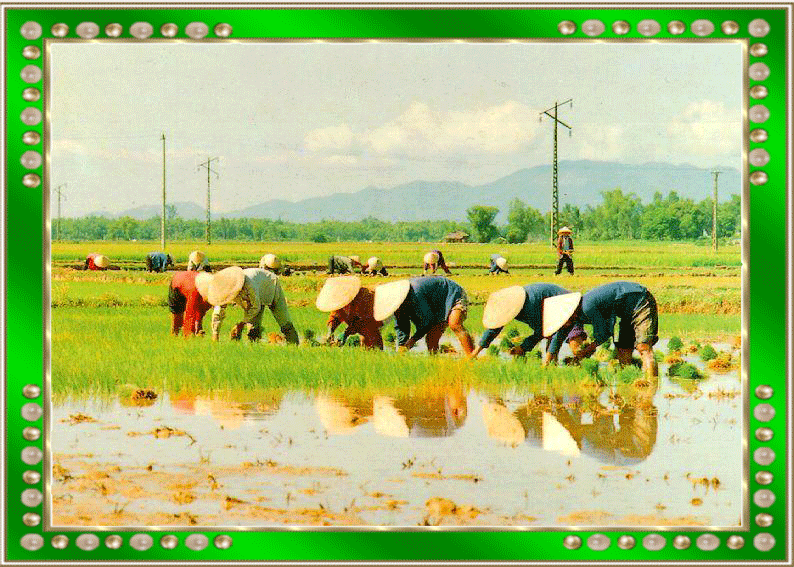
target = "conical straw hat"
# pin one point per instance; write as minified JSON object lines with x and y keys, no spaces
{"x":503,"y":306}
{"x":431,"y":258}
{"x":387,"y":419}
{"x":356,"y":259}
{"x":564,"y":229}
{"x":389,"y":297}
{"x":502,"y":425}
{"x":203,"y":280}
{"x":101,"y":261}
{"x":558,"y":439}
{"x":557,"y":310}
{"x":374,"y":264}
{"x":338,"y":292}
{"x":270,"y":262}
{"x":196,"y":257}
{"x":225,"y":285}
{"x":502,"y":263}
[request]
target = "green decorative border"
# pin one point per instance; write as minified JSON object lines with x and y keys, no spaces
{"x":766,"y":212}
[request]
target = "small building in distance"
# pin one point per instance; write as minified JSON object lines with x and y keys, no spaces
{"x":457,"y":236}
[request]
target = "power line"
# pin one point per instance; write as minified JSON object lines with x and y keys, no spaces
{"x":555,"y":198}
{"x":208,"y":165}
{"x":714,"y":244}
{"x":60,"y":193}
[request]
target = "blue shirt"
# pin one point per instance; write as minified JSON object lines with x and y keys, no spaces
{"x":531,"y":314}
{"x":601,"y":305}
{"x":494,"y":267}
{"x":159,"y":260}
{"x":429,"y":302}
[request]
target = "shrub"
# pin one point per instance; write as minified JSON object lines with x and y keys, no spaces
{"x":675,"y":343}
{"x":684,"y":370}
{"x":708,"y":353}
{"x":320,"y":238}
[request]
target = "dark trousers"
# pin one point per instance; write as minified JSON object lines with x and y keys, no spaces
{"x":568,"y":261}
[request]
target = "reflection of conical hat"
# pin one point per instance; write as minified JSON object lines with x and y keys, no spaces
{"x":386,"y":419}
{"x":431,"y":258}
{"x":558,"y":439}
{"x":336,"y":417}
{"x":503,"y":306}
{"x":564,"y":230}
{"x":338,"y":292}
{"x":203,"y":280}
{"x":101,"y":261}
{"x":270,"y":262}
{"x":501,"y":262}
{"x":355,"y":259}
{"x":374,"y":264}
{"x":557,"y":310}
{"x":389,"y":297}
{"x":196,"y":257}
{"x":228,"y":414}
{"x":225,"y":285}
{"x":502,"y":425}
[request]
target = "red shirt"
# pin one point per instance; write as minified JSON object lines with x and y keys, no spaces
{"x":360,"y":319}
{"x":196,"y":307}
{"x":89,"y":263}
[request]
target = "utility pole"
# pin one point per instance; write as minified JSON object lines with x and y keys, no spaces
{"x":714,"y":244}
{"x":555,"y":198}
{"x":208,"y":164}
{"x":60,"y":192}
{"x":162,"y":218}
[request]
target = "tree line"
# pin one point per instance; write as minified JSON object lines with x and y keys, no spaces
{"x":618,"y":216}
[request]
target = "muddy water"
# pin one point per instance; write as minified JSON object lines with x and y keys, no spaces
{"x":440,"y":456}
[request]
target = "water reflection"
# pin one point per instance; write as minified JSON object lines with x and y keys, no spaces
{"x":613,"y":428}
{"x":230,"y":410}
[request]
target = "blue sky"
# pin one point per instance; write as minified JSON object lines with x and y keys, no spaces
{"x":297,"y":120}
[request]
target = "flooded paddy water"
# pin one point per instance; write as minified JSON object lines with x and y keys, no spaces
{"x":440,"y":454}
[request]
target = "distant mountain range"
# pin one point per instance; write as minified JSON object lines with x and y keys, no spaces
{"x":580,"y":183}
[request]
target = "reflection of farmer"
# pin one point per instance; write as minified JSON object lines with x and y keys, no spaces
{"x":158,"y":261}
{"x":253,"y":289}
{"x":523,"y":304}
{"x":564,"y":250}
{"x":631,"y":303}
{"x":498,"y":265}
{"x":374,"y":267}
{"x":434,"y":260}
{"x":352,"y":304}
{"x":341,"y":414}
{"x":187,"y":302}
{"x":436,"y":413}
{"x":430,"y":303}
{"x":198,"y":262}
{"x":344,"y":264}
{"x":96,"y":262}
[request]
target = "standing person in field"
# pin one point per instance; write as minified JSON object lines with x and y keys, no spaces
{"x":187,"y":301}
{"x":347,"y":302}
{"x":498,"y":265}
{"x":374,"y":267}
{"x":96,"y":262}
{"x":631,"y":303}
{"x":253,"y":289}
{"x":344,"y":264}
{"x":430,"y":303}
{"x":434,"y":260}
{"x":524,"y":304}
{"x":564,"y":251}
{"x":197,"y":262}
{"x":158,"y":261}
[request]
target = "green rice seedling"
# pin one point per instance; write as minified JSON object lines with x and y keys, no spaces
{"x":390,"y":337}
{"x":684,"y":370}
{"x":308,"y":334}
{"x":353,"y":341}
{"x":493,"y":350}
{"x":506,"y":344}
{"x":513,"y":333}
{"x":590,"y":366}
{"x":707,"y":353}
{"x":604,"y":354}
{"x":674,"y":344}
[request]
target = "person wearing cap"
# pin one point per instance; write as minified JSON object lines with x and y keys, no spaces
{"x":430,"y":303}
{"x":187,"y":301}
{"x":344,"y":264}
{"x":96,"y":262}
{"x":564,"y":251}
{"x":158,"y":261}
{"x":632,"y":304}
{"x":374,"y":267}
{"x":524,"y":304}
{"x":434,"y":260}
{"x":347,"y":302}
{"x":253,"y":289}
{"x":498,"y":265}
{"x":197,"y":262}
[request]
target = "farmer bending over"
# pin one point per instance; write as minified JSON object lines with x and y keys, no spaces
{"x":523,"y":304}
{"x":352,"y":304}
{"x":197,"y":262}
{"x":434,"y":260}
{"x":96,"y":262}
{"x":430,"y":303}
{"x":187,"y":302}
{"x":344,"y":264}
{"x":158,"y":261}
{"x":253,"y":289}
{"x":498,"y":265}
{"x":631,"y":303}
{"x":374,"y":267}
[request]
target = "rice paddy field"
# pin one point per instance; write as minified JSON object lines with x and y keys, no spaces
{"x":150,"y":429}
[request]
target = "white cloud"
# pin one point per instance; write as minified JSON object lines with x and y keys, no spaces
{"x":331,"y":138}
{"x":602,"y":143}
{"x":705,"y":128}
